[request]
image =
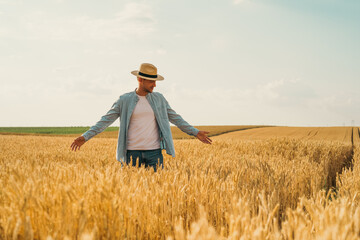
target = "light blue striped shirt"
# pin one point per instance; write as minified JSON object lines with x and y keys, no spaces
{"x":123,"y":108}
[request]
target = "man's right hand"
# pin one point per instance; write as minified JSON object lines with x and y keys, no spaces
{"x":78,"y":142}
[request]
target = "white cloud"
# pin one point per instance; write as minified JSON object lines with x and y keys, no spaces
{"x":220,"y":43}
{"x":338,"y":101}
{"x":134,"y":20}
{"x":69,"y":81}
{"x":12,"y":2}
{"x":268,"y":91}
{"x":159,"y":51}
{"x":282,"y":94}
{"x":4,"y":31}
{"x":179,"y":35}
{"x":281,"y":102}
{"x":236,"y":2}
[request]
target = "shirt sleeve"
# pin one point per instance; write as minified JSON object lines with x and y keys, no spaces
{"x":178,"y":121}
{"x":104,"y":122}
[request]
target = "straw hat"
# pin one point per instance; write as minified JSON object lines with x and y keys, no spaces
{"x":148,"y":71}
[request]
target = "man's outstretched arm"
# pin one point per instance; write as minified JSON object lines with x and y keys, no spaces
{"x":99,"y":127}
{"x":176,"y":119}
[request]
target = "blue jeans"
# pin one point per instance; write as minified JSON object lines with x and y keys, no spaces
{"x":149,"y":158}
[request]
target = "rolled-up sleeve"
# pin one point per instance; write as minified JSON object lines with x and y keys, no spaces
{"x":104,"y":122}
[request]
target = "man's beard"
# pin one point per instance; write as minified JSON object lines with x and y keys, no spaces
{"x":149,"y":90}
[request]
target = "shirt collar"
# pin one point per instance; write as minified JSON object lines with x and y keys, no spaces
{"x":147,"y":95}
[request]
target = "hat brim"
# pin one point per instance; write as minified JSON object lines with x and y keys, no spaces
{"x":159,"y":77}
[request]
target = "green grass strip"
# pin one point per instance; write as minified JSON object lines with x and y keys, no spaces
{"x":50,"y":130}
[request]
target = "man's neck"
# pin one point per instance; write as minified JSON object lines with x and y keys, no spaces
{"x":141,"y":93}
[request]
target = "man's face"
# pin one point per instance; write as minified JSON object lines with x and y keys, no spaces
{"x":148,"y":85}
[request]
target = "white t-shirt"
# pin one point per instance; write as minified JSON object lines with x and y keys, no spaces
{"x":143,"y":133}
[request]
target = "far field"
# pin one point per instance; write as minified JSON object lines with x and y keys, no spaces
{"x":112,"y":132}
{"x":243,"y":132}
{"x":341,"y":134}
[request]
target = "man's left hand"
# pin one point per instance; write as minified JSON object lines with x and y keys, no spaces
{"x":203,"y":137}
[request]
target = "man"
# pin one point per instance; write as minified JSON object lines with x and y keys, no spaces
{"x":144,"y":123}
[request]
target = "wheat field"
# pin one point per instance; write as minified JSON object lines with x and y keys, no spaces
{"x":278,"y":186}
{"x":343,"y":134}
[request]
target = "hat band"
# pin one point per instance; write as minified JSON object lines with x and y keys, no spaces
{"x":147,"y":75}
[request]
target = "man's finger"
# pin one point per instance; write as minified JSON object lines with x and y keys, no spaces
{"x":74,"y":146}
{"x":205,"y":140}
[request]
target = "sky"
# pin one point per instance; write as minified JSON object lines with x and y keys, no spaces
{"x":228,"y":62}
